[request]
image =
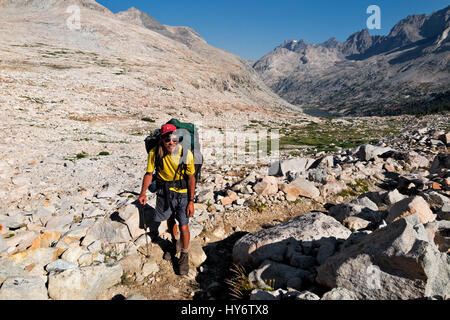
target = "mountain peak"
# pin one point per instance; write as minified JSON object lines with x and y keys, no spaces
{"x":357,"y":43}
{"x":184,"y":35}
{"x":294,"y":45}
{"x":133,"y":9}
{"x":141,"y":18}
{"x":331,"y":43}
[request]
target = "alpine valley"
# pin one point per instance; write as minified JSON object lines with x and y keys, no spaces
{"x":405,"y":71}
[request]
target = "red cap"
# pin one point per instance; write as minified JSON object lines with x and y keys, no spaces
{"x":167,"y":128}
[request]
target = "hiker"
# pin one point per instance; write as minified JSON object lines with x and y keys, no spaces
{"x":175,"y":190}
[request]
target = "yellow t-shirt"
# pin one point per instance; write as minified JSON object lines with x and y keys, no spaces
{"x":170,"y":166}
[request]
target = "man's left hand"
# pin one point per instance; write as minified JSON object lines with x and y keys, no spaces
{"x":190,"y":209}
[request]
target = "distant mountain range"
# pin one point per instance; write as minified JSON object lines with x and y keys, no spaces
{"x":406,"y":71}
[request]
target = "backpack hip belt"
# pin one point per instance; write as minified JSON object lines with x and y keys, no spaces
{"x":166,"y":185}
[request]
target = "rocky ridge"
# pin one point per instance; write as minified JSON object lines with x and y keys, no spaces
{"x":132,"y":66}
{"x":365,"y":75}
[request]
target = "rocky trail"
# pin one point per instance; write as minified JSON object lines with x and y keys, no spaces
{"x":306,"y":227}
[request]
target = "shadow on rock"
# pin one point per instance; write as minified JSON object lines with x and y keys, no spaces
{"x":217,"y":268}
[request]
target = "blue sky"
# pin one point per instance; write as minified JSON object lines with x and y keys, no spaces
{"x":252,"y":28}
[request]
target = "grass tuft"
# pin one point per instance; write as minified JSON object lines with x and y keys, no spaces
{"x":240,"y":285}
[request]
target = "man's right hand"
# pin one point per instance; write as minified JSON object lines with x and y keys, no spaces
{"x":145,"y":184}
{"x":142,"y":199}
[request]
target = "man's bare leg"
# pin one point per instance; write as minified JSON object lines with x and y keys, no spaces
{"x":183,"y":262}
{"x":173,"y":230}
{"x":185,"y":237}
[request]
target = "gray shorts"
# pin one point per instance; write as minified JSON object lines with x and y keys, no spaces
{"x":177,"y":207}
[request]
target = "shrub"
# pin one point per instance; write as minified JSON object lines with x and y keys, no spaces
{"x":81,"y":155}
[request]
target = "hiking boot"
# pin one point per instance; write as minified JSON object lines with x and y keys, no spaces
{"x":183,"y":263}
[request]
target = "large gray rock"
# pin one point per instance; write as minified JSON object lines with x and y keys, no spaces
{"x":365,"y":202}
{"x":307,"y":295}
{"x":149,"y":268}
{"x":60,"y":265}
{"x":438,"y":232}
{"x":332,"y":188}
{"x":359,"y":208}
{"x":413,"y":205}
{"x":196,"y":254}
{"x":436,"y":200}
{"x":77,"y":231}
{"x":8,"y":268}
{"x":293,"y":165}
{"x":445,"y":138}
{"x":411,"y":158}
{"x":13,"y":222}
{"x":300,"y":187}
{"x":344,"y":210}
{"x":368,"y":152}
{"x":59,"y":223}
{"x":253,"y":248}
{"x":277,"y":275}
{"x":24,"y":288}
{"x":85,"y":283}
{"x":320,"y":175}
{"x":73,"y":253}
{"x":195,"y":228}
{"x":262,"y":295}
{"x":327,"y":249}
{"x":355,"y":237}
{"x":274,"y":169}
{"x":393,"y":197}
{"x":395,"y":262}
{"x":20,"y":240}
{"x":356,"y":223}
{"x":132,"y":217}
{"x":375,"y":196}
{"x":268,"y":186}
{"x":296,"y":258}
{"x":107,"y":231}
{"x":339,"y":294}
{"x":35,"y":256}
{"x":440,"y":162}
{"x":412,"y":183}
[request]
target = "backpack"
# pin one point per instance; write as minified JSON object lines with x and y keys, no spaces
{"x":189,"y":140}
{"x":152,"y":141}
